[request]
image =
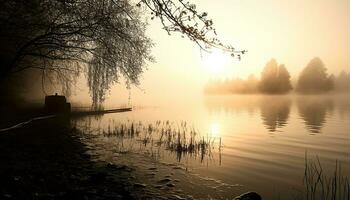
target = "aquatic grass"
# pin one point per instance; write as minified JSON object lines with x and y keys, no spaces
{"x":322,"y":186}
{"x":122,"y":130}
{"x":178,"y":138}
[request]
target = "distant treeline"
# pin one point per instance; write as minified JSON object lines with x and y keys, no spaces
{"x":275,"y":79}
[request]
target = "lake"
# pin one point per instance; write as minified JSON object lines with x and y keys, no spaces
{"x":255,"y":143}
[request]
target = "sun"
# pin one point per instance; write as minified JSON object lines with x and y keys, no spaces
{"x":215,"y":63}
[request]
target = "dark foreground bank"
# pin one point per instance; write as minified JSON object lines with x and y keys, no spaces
{"x":45,"y":160}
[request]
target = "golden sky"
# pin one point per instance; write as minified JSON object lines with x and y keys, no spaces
{"x":292,"y":31}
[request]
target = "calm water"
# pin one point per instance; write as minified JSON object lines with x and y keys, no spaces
{"x":264,"y":140}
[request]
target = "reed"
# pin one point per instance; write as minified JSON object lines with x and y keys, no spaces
{"x":322,"y":186}
{"x":178,"y":138}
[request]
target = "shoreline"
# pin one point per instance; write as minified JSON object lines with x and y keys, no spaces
{"x":45,"y":160}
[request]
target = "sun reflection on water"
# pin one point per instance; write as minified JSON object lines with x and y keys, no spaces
{"x":215,"y":129}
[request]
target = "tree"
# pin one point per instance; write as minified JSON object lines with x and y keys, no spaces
{"x":342,"y":82}
{"x":62,"y":38}
{"x":314,"y":78}
{"x":103,"y":38}
{"x":251,"y":84}
{"x":275,"y":79}
{"x":232,"y":86}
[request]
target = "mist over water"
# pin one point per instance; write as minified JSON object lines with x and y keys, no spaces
{"x":264,"y":138}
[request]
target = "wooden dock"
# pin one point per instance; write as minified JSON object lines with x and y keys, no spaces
{"x":100,"y":112}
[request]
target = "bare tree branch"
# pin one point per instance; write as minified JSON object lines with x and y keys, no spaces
{"x":107,"y":37}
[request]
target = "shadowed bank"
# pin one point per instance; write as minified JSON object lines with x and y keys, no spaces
{"x":45,"y":160}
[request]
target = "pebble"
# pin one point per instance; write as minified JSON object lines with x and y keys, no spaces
{"x":170,"y":184}
{"x":151,"y":174}
{"x":158,"y":186}
{"x":249,"y":196}
{"x":165,"y":180}
{"x":141,"y":185}
{"x":178,"y":197}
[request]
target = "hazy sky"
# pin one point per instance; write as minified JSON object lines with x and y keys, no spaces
{"x":292,"y":31}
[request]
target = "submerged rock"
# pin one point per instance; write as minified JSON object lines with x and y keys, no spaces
{"x":249,"y":196}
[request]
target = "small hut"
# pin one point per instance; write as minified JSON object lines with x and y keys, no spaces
{"x":57,"y":104}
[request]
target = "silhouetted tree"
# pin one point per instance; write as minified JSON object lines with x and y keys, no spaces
{"x":275,"y":79}
{"x":252,"y":84}
{"x":342,"y":82}
{"x":103,"y":38}
{"x":314,"y":78}
{"x":62,"y":38}
{"x":232,"y":86}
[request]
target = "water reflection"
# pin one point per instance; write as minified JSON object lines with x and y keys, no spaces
{"x":232,"y":129}
{"x":343,"y":105}
{"x":275,"y":111}
{"x":232,"y":104}
{"x":314,"y":110}
{"x":215,"y":130}
{"x":159,"y":139}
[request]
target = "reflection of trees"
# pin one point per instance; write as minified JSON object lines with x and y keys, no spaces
{"x":343,"y":106}
{"x":313,"y":110}
{"x":275,"y":112}
{"x":232,"y":104}
{"x":274,"y":109}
